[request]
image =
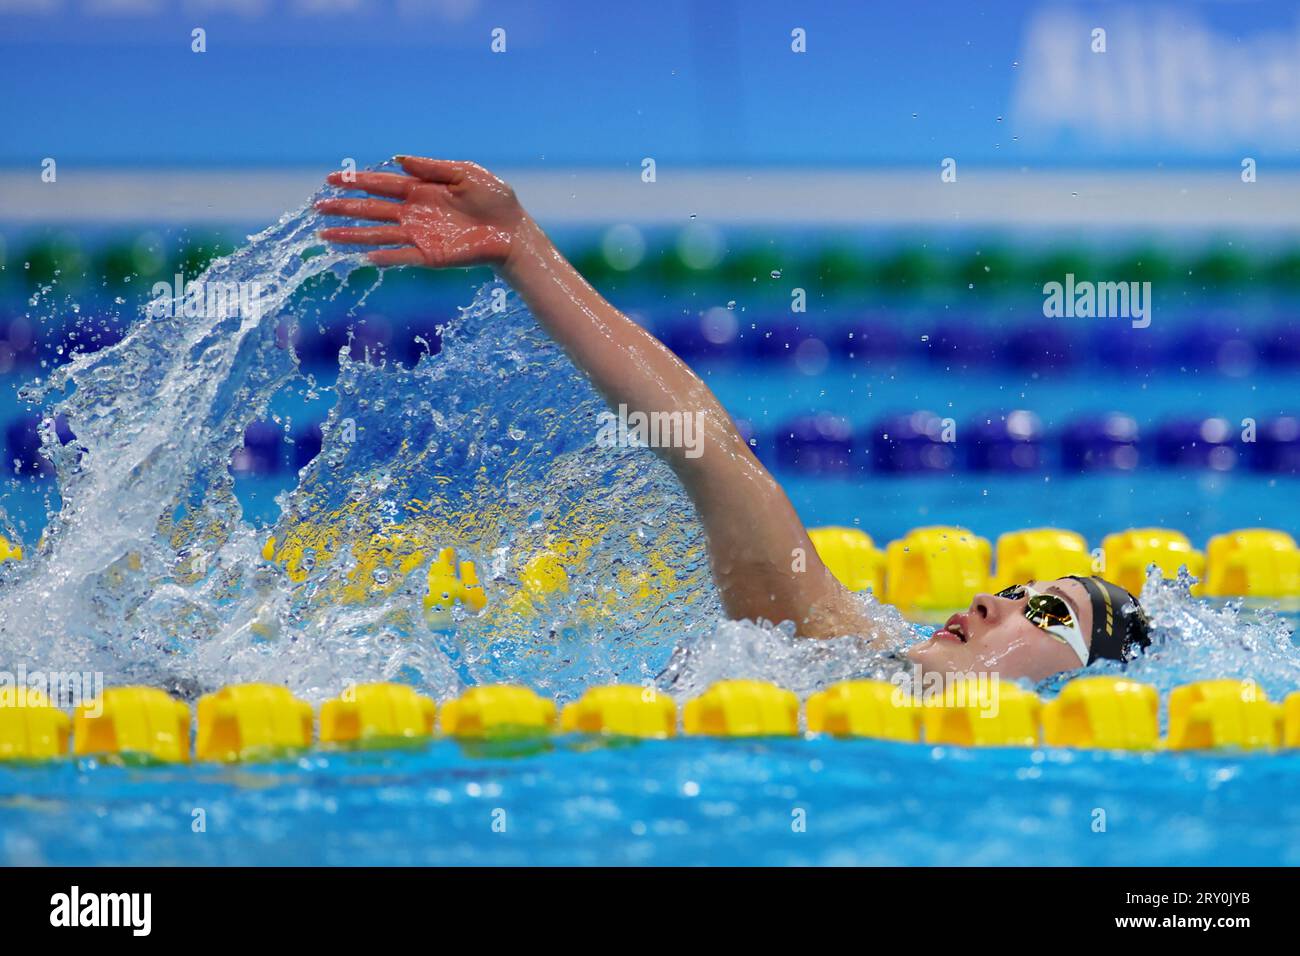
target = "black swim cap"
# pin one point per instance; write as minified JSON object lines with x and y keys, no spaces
{"x":1115,"y":632}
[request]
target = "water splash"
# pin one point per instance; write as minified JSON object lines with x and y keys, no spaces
{"x":145,"y":483}
{"x":148,"y":573}
{"x":763,"y":651}
{"x":1194,"y":640}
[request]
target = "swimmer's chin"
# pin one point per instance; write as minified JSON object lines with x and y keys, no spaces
{"x":924,"y":652}
{"x":921,"y":655}
{"x":939,"y":656}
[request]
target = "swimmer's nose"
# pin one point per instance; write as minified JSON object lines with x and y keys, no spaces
{"x":989,"y":607}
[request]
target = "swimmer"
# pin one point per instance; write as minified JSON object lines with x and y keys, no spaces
{"x":446,"y":214}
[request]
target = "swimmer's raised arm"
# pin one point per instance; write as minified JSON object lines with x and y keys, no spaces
{"x":454,"y":214}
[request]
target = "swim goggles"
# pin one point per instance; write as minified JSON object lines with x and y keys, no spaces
{"x":1050,"y":613}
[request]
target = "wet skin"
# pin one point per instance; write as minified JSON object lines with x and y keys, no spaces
{"x":995,"y":636}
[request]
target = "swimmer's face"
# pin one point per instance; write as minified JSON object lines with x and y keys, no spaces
{"x":996,"y":637}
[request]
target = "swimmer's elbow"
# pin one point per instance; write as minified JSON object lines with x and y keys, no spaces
{"x":840,"y":617}
{"x":818,"y":606}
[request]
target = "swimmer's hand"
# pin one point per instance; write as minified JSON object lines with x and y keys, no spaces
{"x":448,"y":215}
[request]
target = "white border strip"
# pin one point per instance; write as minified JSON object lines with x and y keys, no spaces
{"x":741,"y":196}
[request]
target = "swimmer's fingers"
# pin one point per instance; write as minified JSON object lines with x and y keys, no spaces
{"x":409,"y":256}
{"x":433,"y":170}
{"x":367,"y":235}
{"x":376,"y":209}
{"x":380,"y":184}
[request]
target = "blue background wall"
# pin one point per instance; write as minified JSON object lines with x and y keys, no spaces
{"x":587,"y":82}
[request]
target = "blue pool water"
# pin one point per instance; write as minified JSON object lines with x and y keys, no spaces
{"x":686,"y":801}
{"x":493,"y":439}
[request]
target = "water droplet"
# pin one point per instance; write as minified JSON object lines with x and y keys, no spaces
{"x":776,"y":273}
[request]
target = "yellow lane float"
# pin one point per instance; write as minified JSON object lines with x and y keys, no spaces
{"x":1291,"y":720}
{"x":449,"y":585}
{"x":930,"y":569}
{"x":381,"y":561}
{"x":133,"y":721}
{"x":1128,"y":553}
{"x":9,"y":551}
{"x":864,"y":708}
{"x":252,"y":721}
{"x":1111,"y":713}
{"x":851,"y":555}
{"x":377,"y":715}
{"x":257,"y":721}
{"x":743,"y":708}
{"x":1223,"y":713}
{"x":30,"y":728}
{"x":1257,"y":562}
{"x":622,"y":710}
{"x":497,"y":711}
{"x":936,"y":568}
{"x":978,"y":712}
{"x":548,"y":573}
{"x":1040,"y":554}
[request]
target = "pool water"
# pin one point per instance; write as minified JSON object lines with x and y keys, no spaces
{"x":488,"y":447}
{"x":687,"y":801}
